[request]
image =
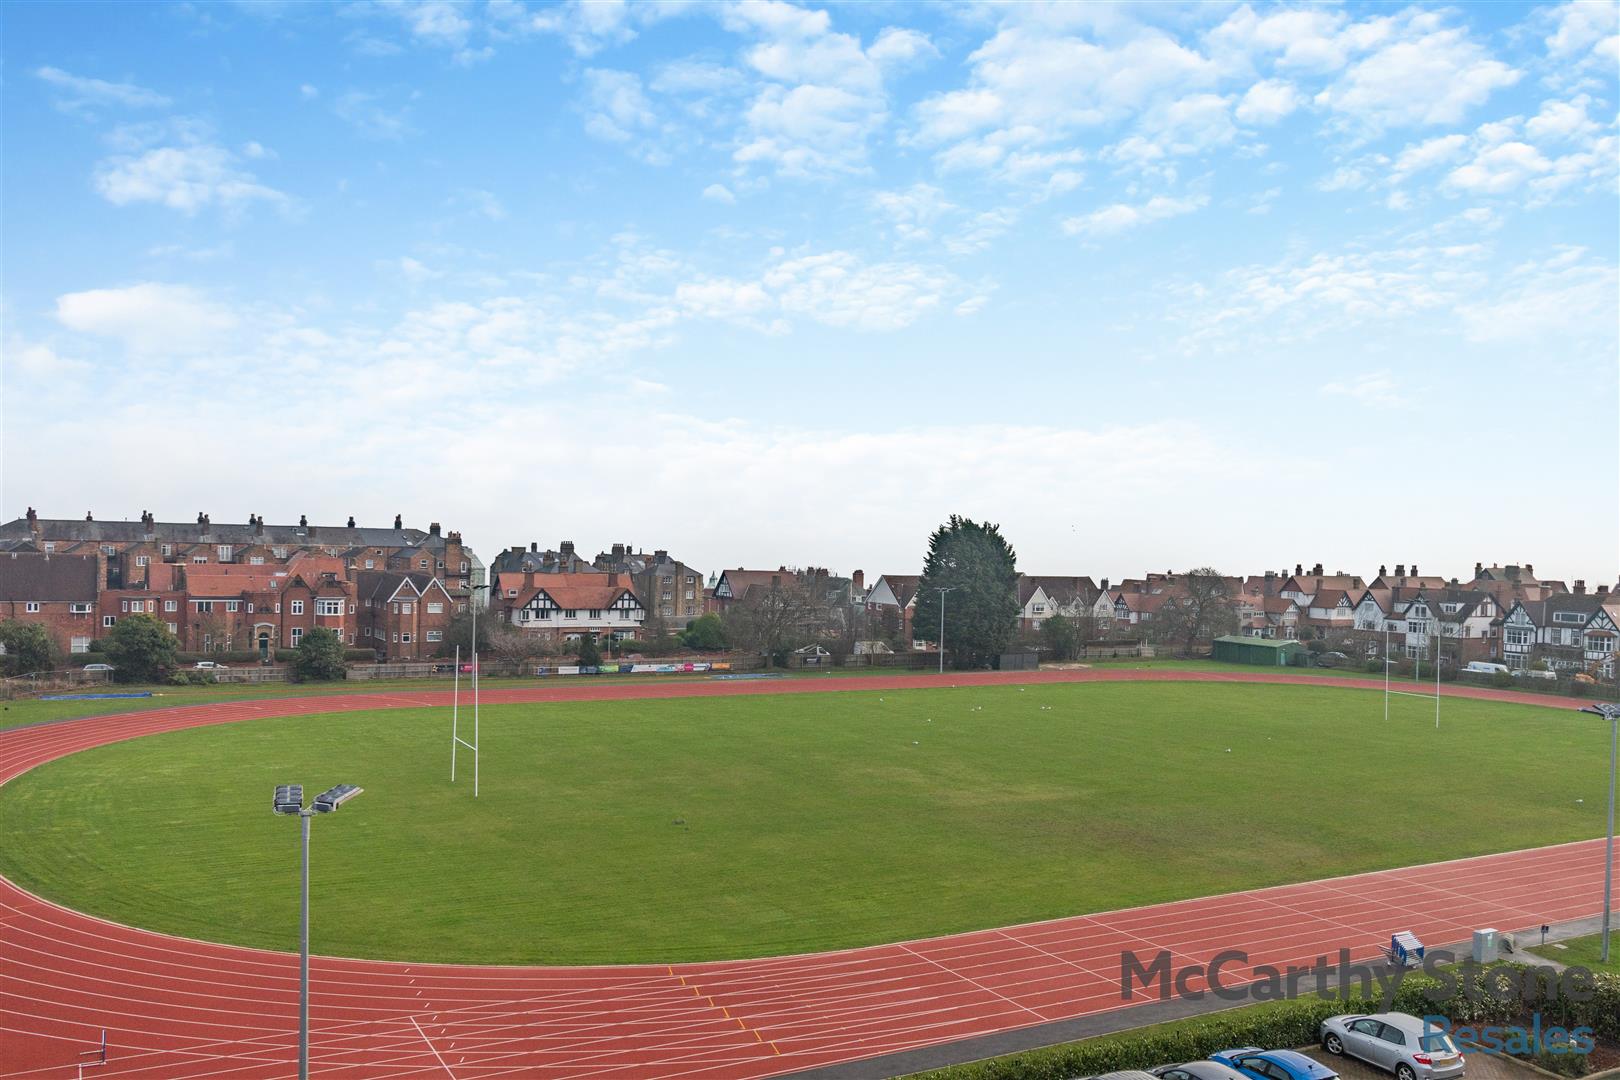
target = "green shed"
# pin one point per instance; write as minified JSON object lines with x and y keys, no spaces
{"x":1261,"y":651}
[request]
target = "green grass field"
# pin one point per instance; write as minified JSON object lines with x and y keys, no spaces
{"x":1585,"y":952}
{"x":704,"y":828}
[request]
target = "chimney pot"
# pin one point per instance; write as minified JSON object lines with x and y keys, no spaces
{"x":1414,"y":570}
{"x":1580,"y":586}
{"x":1299,"y":569}
{"x":1400,"y":569}
{"x":303,"y":521}
{"x":399,"y":521}
{"x":534,"y":545}
{"x":88,"y":517}
{"x":1479,"y":569}
{"x":1529,"y":570}
{"x":351,"y":522}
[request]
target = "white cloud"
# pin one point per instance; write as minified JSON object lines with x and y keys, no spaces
{"x":1429,"y":74}
{"x":1344,"y":178}
{"x":1378,"y":388}
{"x":719,"y":193}
{"x":1268,"y":101}
{"x":1561,"y":120}
{"x":617,"y":109}
{"x":838,"y":289}
{"x":1304,"y":40}
{"x":76,"y":93}
{"x":185,"y":178}
{"x":34,"y":361}
{"x":1559,"y":306}
{"x":1580,"y":27}
{"x":1498,"y":169}
{"x":370,"y":115}
{"x":483,"y":203}
{"x":148,"y":318}
{"x":308,"y":92}
{"x":1122,"y":216}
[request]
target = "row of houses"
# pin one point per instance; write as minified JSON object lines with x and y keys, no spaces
{"x":237,"y":587}
{"x":261,"y":587}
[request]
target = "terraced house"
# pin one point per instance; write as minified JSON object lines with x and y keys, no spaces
{"x":1573,"y":631}
{"x":562,"y":608}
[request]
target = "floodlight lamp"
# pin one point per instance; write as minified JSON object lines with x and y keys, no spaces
{"x":1605,"y":709}
{"x":329,"y":800}
{"x":288,"y":799}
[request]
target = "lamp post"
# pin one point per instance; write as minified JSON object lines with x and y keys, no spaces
{"x":289,"y":801}
{"x":942,"y":591}
{"x":1611,"y":713}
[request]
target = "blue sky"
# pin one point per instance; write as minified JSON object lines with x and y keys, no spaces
{"x":1151,"y":285}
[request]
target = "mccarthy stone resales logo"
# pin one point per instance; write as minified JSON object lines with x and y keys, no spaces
{"x":1230,"y":977}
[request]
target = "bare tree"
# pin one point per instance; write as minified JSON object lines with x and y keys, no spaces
{"x":776,"y":620}
{"x":1202,"y":607}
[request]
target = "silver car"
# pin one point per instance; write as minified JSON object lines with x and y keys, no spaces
{"x":1396,"y":1042}
{"x":1198,"y":1070}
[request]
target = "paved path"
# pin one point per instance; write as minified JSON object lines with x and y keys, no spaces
{"x":175,"y":1008}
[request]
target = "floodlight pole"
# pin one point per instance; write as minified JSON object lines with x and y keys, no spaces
{"x":1611,"y":713}
{"x":942,"y":591}
{"x":289,"y":802}
{"x":303,"y":954}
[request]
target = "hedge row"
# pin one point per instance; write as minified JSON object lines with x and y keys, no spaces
{"x":1274,"y":1025}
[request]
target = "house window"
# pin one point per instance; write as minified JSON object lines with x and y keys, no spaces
{"x":421,"y":564}
{"x":1568,"y":617}
{"x":108,"y":549}
{"x":435,"y":635}
{"x":327,"y":606}
{"x":203,"y":606}
{"x":80,"y":609}
{"x":439,"y":564}
{"x":167,"y":550}
{"x":50,"y":547}
{"x":142,"y":560}
{"x":123,"y":605}
{"x":435,"y":609}
{"x":297,"y":635}
{"x":463,"y":567}
{"x":511,"y":592}
{"x":406,"y":609}
{"x":199,"y":558}
{"x":233,"y":605}
{"x":80,"y":645}
{"x":351,"y":607}
{"x":279,"y":552}
{"x":224,"y":552}
{"x":297,"y":607}
{"x":596,"y":613}
{"x":571,"y":613}
{"x":371,"y":564}
{"x":109,"y":620}
{"x":171,"y":605}
{"x":250,"y":607}
{"x":173,"y":629}
{"x":405,"y":639}
{"x":256,"y":560}
{"x":33,"y":606}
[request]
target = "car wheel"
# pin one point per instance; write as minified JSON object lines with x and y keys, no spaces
{"x":1333,"y":1044}
{"x":1403,"y":1071}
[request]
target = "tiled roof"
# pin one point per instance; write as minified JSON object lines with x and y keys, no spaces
{"x":174,"y":532}
{"x":27,"y":576}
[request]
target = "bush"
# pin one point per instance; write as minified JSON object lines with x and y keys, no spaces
{"x":1502,"y":680}
{"x":1375,"y":666}
{"x":319,"y":656}
{"x":1577,"y":689}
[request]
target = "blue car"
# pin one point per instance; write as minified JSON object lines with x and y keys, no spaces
{"x":1258,"y":1064}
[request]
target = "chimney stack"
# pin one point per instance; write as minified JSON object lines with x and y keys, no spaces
{"x":1104,"y":585}
{"x":303,"y":521}
{"x":534,"y":545}
{"x":258,"y":526}
{"x":351,"y":521}
{"x":1317,"y":570}
{"x":1603,"y":590}
{"x":1299,"y":569}
{"x":433,"y":529}
{"x":205,"y":522}
{"x":1400,"y":569}
{"x":88,"y":516}
{"x":566,"y":547}
{"x":858,"y":578}
{"x":1414,"y":570}
{"x":618,"y":551}
{"x":1529,"y":571}
{"x":399,"y":521}
{"x":613,"y":579}
{"x":661,"y":555}
{"x":1580,"y":587}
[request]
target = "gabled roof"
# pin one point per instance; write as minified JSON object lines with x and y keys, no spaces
{"x":904,"y":586}
{"x":573,"y":591}
{"x":28,"y":576}
{"x":1059,"y":589}
{"x":740,"y":581}
{"x":233,"y":579}
{"x":383,"y":585}
{"x":1315,"y":583}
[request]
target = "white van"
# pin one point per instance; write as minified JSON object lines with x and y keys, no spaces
{"x":1481,"y":667}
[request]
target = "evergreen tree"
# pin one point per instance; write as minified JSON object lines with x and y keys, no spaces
{"x":980,"y":569}
{"x":141,"y":649}
{"x":319,"y":656}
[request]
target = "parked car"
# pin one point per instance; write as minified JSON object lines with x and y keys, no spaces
{"x":1395,"y":1042}
{"x":1484,"y":667}
{"x":209,"y":665}
{"x":1257,"y":1064}
{"x":1122,"y":1074}
{"x":1198,"y":1070}
{"x":1332,"y":659}
{"x":98,"y":667}
{"x":1534,"y":673}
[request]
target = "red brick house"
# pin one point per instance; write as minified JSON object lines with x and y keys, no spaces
{"x":403,"y":616}
{"x":57,"y":592}
{"x":565,"y":607}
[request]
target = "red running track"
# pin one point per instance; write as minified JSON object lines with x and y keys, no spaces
{"x":176,"y":1009}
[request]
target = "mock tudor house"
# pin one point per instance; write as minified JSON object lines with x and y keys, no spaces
{"x":566,"y":607}
{"x":1571,"y":631}
{"x":1043,"y":596}
{"x":1410,"y":619}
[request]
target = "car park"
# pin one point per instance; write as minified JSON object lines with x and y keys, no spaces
{"x":1395,"y":1042}
{"x":1259,"y":1064}
{"x":1198,"y":1070}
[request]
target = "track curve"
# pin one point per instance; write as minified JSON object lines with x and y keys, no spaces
{"x":175,"y":1008}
